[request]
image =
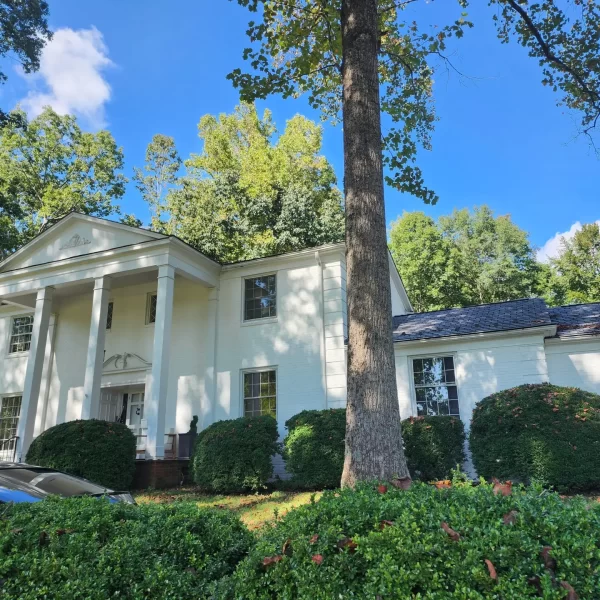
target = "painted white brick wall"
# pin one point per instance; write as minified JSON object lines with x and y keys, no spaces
{"x":575,"y":363}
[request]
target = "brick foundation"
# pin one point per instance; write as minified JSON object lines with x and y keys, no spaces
{"x":160,"y":474}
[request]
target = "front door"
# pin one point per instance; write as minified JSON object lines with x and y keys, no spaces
{"x":122,"y":407}
{"x":135,"y":410}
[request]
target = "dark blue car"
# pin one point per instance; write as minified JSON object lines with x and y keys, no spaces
{"x":26,"y":483}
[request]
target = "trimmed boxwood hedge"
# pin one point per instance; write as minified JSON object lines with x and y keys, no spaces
{"x":369,"y":544}
{"x":542,"y":433}
{"x":101,"y":451}
{"x":235,"y":455}
{"x":314,"y":448}
{"x":433,"y":446}
{"x":88,"y":548}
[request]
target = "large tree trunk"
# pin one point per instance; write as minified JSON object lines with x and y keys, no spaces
{"x":373,"y":438}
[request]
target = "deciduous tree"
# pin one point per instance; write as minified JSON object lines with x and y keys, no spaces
{"x":250,"y":193}
{"x":362,"y":57}
{"x":50,"y":167}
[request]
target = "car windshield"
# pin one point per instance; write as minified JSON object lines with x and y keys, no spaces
{"x":51,"y":482}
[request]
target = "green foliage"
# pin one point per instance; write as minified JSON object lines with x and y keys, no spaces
{"x":23,"y":34}
{"x":314,"y":448}
{"x":88,"y":548}
{"x":433,"y":446}
{"x":50,"y":167}
{"x":235,"y":455}
{"x":577,"y":268}
{"x":248,"y":195}
{"x":540,"y":432}
{"x":100,"y":451}
{"x":159,"y":173}
{"x":465,"y":258}
{"x":391,"y":545}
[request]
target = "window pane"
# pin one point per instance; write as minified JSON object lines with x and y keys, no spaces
{"x":260,"y":393}
{"x":20,"y":339}
{"x":448,"y":363}
{"x":109,"y":316}
{"x":431,"y":377}
{"x":260,"y":297}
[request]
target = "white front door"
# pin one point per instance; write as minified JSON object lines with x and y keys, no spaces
{"x":111,"y":406}
{"x":135,"y":409}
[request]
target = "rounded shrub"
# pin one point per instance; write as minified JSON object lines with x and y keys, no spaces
{"x":314,"y":448}
{"x":426,"y":543}
{"x":101,"y":451}
{"x":541,"y":433}
{"x":235,"y":455}
{"x":88,"y":548}
{"x":433,"y":446}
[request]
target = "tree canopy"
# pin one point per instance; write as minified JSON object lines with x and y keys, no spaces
{"x":465,"y":258}
{"x":251,"y":193}
{"x":50,"y":167}
{"x":23,"y":34}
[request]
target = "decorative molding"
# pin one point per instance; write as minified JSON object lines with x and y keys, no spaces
{"x":75,"y":242}
{"x":120,"y":361}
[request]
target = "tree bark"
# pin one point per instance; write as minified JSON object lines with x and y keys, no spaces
{"x":373,"y":437}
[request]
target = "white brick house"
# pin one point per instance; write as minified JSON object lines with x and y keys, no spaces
{"x":101,"y":320}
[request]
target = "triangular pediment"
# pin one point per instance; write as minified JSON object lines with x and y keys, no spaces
{"x":76,"y":235}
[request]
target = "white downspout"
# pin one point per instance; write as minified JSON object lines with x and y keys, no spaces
{"x":323,"y":340}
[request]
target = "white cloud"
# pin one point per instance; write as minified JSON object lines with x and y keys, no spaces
{"x":70,"y":79}
{"x":552,"y":248}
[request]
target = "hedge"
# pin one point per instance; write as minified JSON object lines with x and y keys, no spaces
{"x":88,"y":548}
{"x":433,"y":446}
{"x":101,"y":451}
{"x":541,"y":433}
{"x":314,"y":448}
{"x":235,"y":455}
{"x":369,"y":544}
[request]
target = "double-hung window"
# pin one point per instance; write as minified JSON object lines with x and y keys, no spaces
{"x":260,"y":393}
{"x":20,"y":337}
{"x":435,"y":386}
{"x":260,"y":297}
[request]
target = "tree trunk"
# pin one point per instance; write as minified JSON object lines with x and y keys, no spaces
{"x":373,"y":438}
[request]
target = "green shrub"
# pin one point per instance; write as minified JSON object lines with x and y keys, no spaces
{"x":234,"y":456}
{"x":366,"y":544}
{"x":88,"y":548}
{"x":100,"y":451}
{"x":314,"y":448}
{"x":539,"y":433}
{"x":433,"y":446}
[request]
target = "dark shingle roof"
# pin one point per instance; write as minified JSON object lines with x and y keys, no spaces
{"x":576,"y":320}
{"x":485,"y":318}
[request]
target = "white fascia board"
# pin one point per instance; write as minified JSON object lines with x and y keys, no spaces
{"x":399,"y":284}
{"x":574,"y":338}
{"x":544,"y":331}
{"x":284,"y":261}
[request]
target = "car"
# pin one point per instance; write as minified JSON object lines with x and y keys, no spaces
{"x":27,"y":483}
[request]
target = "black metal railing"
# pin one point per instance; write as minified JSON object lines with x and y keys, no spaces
{"x":8,"y":449}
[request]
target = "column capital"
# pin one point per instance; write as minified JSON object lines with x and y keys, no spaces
{"x":45,"y":293}
{"x":166,"y":271}
{"x":103,"y":283}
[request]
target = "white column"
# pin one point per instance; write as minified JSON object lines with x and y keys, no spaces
{"x":35,"y":367}
{"x":156,"y":396}
{"x":95,"y":352}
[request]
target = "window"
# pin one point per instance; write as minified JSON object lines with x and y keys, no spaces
{"x":10,"y":410}
{"x":260,"y":297}
{"x":260,"y":393}
{"x":435,"y":386}
{"x":151,"y":308}
{"x":109,"y":316}
{"x":20,"y":338}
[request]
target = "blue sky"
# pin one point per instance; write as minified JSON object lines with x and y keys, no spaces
{"x":142,"y":67}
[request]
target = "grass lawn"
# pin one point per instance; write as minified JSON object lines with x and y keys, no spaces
{"x":255,"y":510}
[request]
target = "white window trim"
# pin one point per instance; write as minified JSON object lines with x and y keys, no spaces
{"x":13,"y":395}
{"x":259,"y":320}
{"x":411,"y":375}
{"x":147,"y":322}
{"x":10,"y":354}
{"x":260,"y":370}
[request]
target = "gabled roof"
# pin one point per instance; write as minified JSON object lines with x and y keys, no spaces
{"x":485,"y":318}
{"x":577,"y":320}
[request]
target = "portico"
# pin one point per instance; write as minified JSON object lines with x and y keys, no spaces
{"x":82,"y":257}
